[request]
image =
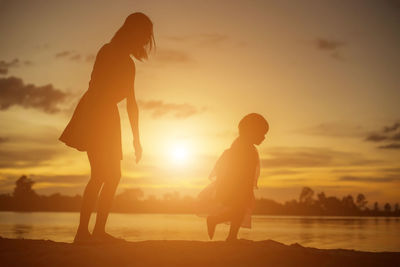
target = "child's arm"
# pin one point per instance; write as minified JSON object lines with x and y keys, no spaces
{"x":257,"y":172}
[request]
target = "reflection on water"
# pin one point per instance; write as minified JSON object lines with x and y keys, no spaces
{"x":21,"y":230}
{"x":360,"y":233}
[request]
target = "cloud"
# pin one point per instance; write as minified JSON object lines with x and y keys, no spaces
{"x":63,"y":54}
{"x":387,"y":134}
{"x":5,"y":65}
{"x":204,"y":39}
{"x":90,"y":58}
{"x":13,"y":92}
{"x":3,"y":140}
{"x":28,"y":63}
{"x":308,"y":157}
{"x":46,"y":184}
{"x":160,"y":109}
{"x":172,"y":56}
{"x":71,"y":55}
{"x":396,"y":137}
{"x":75,"y":57}
{"x":70,"y":179}
{"x":390,"y":146}
{"x":376,"y":138}
{"x":25,"y":158}
{"x":386,"y":179}
{"x":330,"y":46}
{"x":361,"y":170}
{"x":334,"y":129}
{"x":392,"y":128}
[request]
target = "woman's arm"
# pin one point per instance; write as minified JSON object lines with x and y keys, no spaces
{"x":133,"y":114}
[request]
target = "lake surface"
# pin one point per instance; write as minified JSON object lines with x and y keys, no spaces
{"x":359,"y":233}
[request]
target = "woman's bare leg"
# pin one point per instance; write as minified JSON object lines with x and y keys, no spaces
{"x":88,"y":203}
{"x":105,"y":202}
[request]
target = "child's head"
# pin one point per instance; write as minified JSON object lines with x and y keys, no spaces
{"x":253,"y":128}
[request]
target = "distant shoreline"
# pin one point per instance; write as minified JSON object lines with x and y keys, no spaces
{"x":132,"y":200}
{"x":192,"y":213}
{"x":25,"y":252}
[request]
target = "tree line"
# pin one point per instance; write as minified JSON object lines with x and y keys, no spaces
{"x":24,"y":198}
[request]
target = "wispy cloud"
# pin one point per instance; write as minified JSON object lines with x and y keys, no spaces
{"x":25,"y":158}
{"x":172,"y":56}
{"x":74,"y":56}
{"x":335,"y":129}
{"x":63,"y":54}
{"x":376,"y":138}
{"x":396,"y":137}
{"x":387,"y":134}
{"x":159,"y":109}
{"x":330,"y":46}
{"x":204,"y":39}
{"x":6,"y":65}
{"x":391,"y":128}
{"x":367,"y":179}
{"x":90,"y":58}
{"x":13,"y":92}
{"x":308,"y":157}
{"x":390,"y":146}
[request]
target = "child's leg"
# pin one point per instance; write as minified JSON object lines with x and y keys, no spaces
{"x":236,"y":222}
{"x":213,"y":220}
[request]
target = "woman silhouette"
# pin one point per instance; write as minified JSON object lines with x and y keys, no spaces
{"x":95,"y":124}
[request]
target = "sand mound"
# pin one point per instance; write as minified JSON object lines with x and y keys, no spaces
{"x":23,"y":252}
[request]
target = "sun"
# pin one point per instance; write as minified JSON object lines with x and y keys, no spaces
{"x":179,"y":153}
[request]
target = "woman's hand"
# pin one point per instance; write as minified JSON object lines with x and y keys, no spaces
{"x":138,"y":150}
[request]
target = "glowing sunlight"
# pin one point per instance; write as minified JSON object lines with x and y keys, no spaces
{"x":179,"y":153}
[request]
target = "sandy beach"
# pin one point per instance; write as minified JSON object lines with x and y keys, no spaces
{"x":25,"y":252}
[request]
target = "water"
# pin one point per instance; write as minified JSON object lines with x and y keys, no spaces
{"x":359,"y":233}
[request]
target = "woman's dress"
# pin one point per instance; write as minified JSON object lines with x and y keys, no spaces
{"x":95,"y":125}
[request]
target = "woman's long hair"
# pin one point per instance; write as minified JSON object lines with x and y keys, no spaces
{"x":137,"y":34}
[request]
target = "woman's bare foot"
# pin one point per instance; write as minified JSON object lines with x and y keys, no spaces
{"x":210,"y":227}
{"x":82,"y":236}
{"x":105,"y":237}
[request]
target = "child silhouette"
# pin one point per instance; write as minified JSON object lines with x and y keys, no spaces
{"x":236,"y":173}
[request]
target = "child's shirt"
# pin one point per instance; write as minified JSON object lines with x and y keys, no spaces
{"x":237,"y":172}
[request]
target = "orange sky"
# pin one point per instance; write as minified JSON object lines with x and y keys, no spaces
{"x":324,"y":74}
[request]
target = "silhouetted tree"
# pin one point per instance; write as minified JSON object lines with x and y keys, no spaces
{"x":348,"y":202}
{"x":361,"y":201}
{"x":132,"y":200}
{"x":23,"y":188}
{"x":132,"y":194}
{"x":24,"y":196}
{"x":387,"y":207}
{"x":306,"y":195}
{"x":376,"y":207}
{"x":128,"y":201}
